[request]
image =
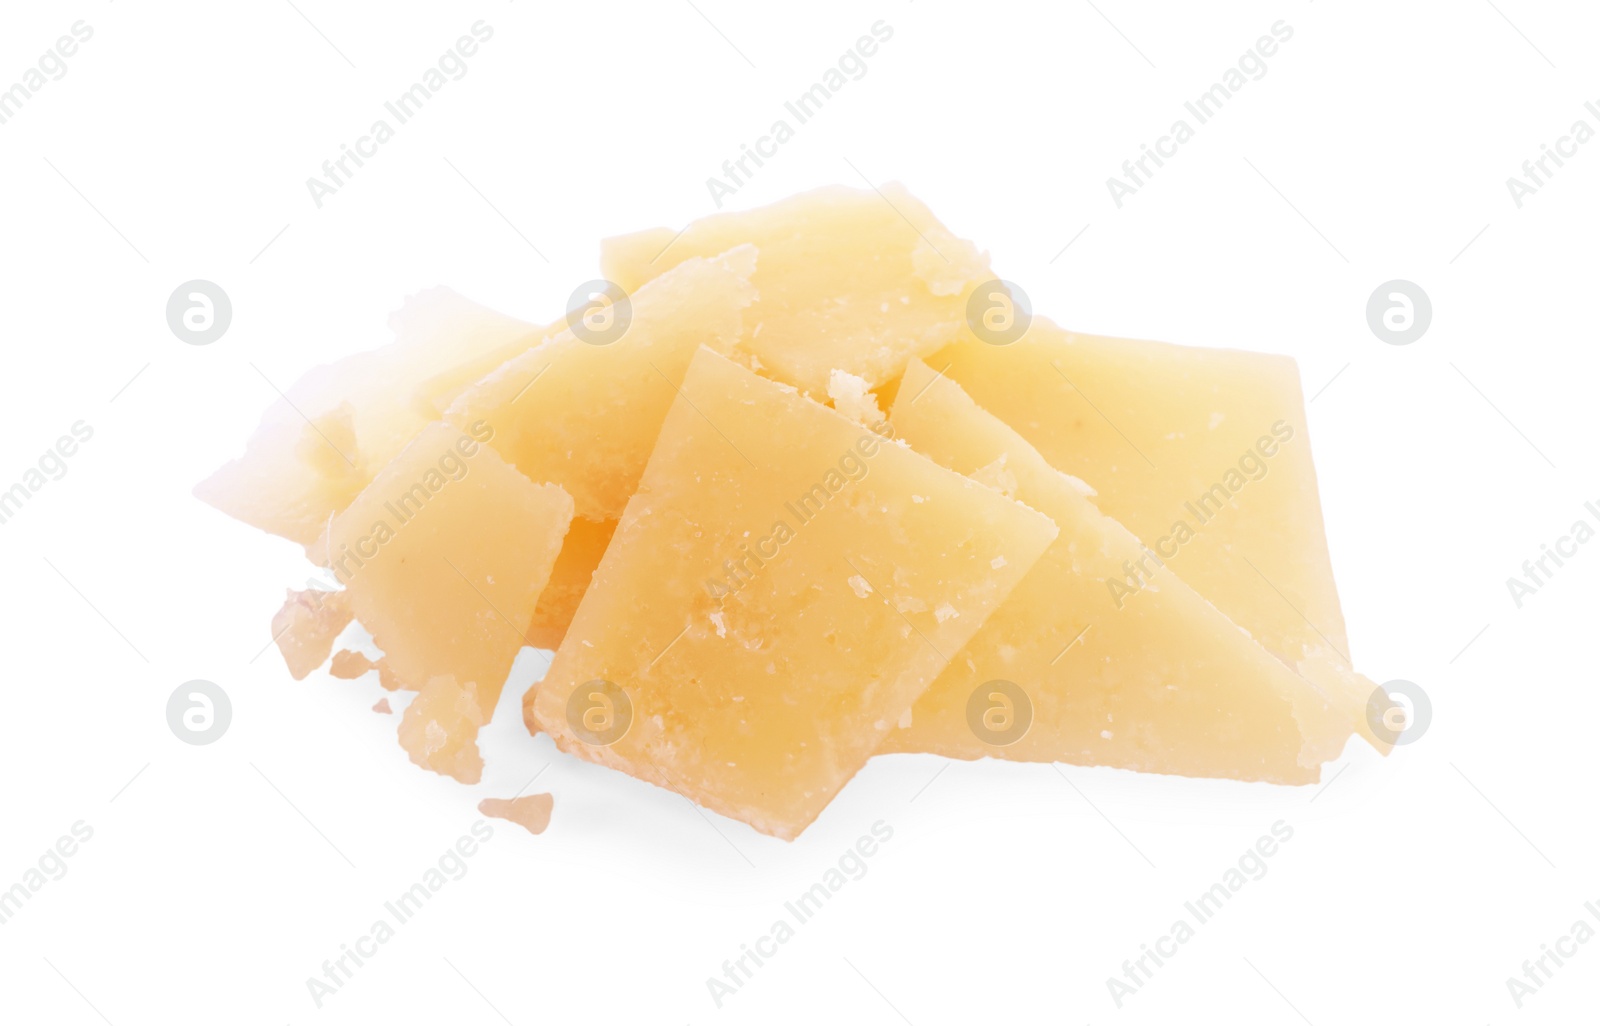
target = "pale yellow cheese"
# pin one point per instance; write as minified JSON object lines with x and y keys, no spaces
{"x":1096,"y":551}
{"x":307,"y":626}
{"x":781,"y":588}
{"x":1204,"y":454}
{"x":856,"y":280}
{"x":439,"y":729}
{"x":584,"y":413}
{"x":443,"y":558}
{"x":1161,"y":683}
{"x":338,"y":425}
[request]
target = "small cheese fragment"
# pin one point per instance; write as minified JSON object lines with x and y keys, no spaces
{"x":382,"y":706}
{"x":858,"y":280}
{"x":531,"y":812}
{"x":584,"y":413}
{"x":348,"y":665}
{"x":765,"y":611}
{"x":439,"y":729}
{"x":1203,"y":454}
{"x":444,"y":556}
{"x":336,"y":427}
{"x":852,"y":397}
{"x":307,"y":626}
{"x":1158,"y":681}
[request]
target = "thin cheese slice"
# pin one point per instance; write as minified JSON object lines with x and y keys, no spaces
{"x":782,"y":587}
{"x":1203,"y":454}
{"x":1065,"y":672}
{"x":583,"y":413}
{"x":443,"y":558}
{"x":336,"y":427}
{"x":850,"y":279}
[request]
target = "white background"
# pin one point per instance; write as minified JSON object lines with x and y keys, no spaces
{"x":1376,"y":147}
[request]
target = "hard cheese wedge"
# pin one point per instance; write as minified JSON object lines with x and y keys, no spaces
{"x":340,"y":424}
{"x":584,"y":413}
{"x":1201,"y":453}
{"x":780,"y":590}
{"x":850,"y":279}
{"x":443,"y":558}
{"x":1068,"y":671}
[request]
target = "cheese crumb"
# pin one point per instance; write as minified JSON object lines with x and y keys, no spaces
{"x":853,"y":397}
{"x":531,"y":812}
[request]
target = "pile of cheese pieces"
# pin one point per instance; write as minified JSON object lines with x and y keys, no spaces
{"x":800,"y":513}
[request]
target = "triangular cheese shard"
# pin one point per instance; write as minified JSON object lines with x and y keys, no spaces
{"x":1074,"y":669}
{"x":586,"y":542}
{"x":443,"y":557}
{"x":582,"y":408}
{"x":782,"y":587}
{"x":854,"y":280}
{"x":341,"y":423}
{"x":1204,"y":454}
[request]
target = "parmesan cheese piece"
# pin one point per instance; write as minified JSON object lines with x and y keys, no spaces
{"x":748,"y":592}
{"x":746,"y":640}
{"x":1161,"y":682}
{"x":850,"y":279}
{"x":439,"y":729}
{"x":443,"y":557}
{"x":307,"y":626}
{"x":1203,"y":454}
{"x":583,"y":413}
{"x":336,"y":427}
